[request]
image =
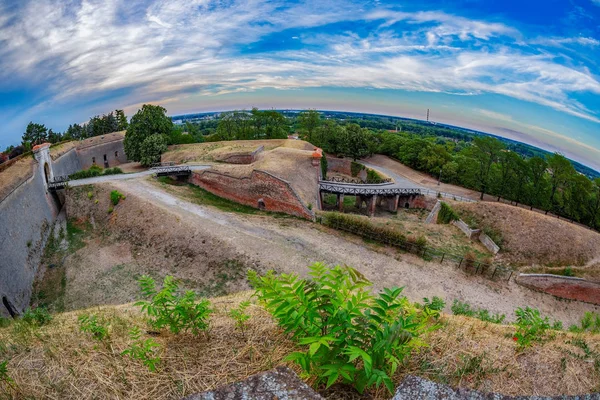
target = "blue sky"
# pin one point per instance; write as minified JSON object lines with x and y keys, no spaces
{"x":528,"y":70}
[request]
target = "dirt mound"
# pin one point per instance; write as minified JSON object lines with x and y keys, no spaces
{"x":531,"y":238}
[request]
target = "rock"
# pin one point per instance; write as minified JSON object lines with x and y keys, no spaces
{"x":280,"y":383}
{"x":413,"y":387}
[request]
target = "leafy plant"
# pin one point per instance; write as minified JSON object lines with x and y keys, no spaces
{"x":349,"y":334}
{"x":90,"y":324}
{"x":90,"y":194}
{"x":355,"y":168}
{"x":239,"y":315}
{"x":116,"y":196}
{"x":590,"y":322}
{"x":168,"y":308}
{"x":446,"y":214}
{"x":4,"y":377}
{"x":434,"y":306}
{"x":531,"y":327}
{"x":37,"y":316}
{"x":143,"y":350}
{"x":464,"y":308}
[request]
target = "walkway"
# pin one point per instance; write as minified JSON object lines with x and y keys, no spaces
{"x":122,"y":177}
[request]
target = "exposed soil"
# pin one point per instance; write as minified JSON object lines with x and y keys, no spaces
{"x":530,"y":238}
{"x":169,"y":235}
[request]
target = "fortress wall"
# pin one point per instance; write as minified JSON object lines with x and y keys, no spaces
{"x":66,"y":164}
{"x":25,"y":217}
{"x":339,"y":165}
{"x":275,"y":193}
{"x":562,"y":286}
{"x":114,"y":150}
{"x":242,"y":158}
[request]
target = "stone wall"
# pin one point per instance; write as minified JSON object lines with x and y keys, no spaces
{"x":242,"y":158}
{"x":67,"y":163}
{"x":565,"y":287}
{"x":26,"y":217}
{"x":489,"y":243}
{"x":471,"y":233}
{"x":113,"y":150}
{"x":259,"y":190}
{"x":432,"y":217}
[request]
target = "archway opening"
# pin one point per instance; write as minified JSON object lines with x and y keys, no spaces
{"x":47,"y":172}
{"x":406,"y":205}
{"x":11,"y":309}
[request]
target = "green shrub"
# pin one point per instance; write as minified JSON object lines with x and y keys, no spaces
{"x":464,"y":308}
{"x":112,"y":171}
{"x":434,"y":306}
{"x":446,"y":214}
{"x":91,"y":172}
{"x":90,"y":324}
{"x":590,"y":322}
{"x":373,"y":176}
{"x":90,"y":195}
{"x":239,"y":315}
{"x":116,"y":196}
{"x":143,"y":350}
{"x":37,"y":316}
{"x":568,"y":271}
{"x":348,"y":334}
{"x":531,"y":327}
{"x":168,"y":308}
{"x":324,"y":167}
{"x":355,"y":168}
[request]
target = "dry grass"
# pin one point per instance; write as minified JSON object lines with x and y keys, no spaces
{"x":16,"y":174}
{"x":58,"y":361}
{"x":533,"y":238}
{"x":59,"y":150}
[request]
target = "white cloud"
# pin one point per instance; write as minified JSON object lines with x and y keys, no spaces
{"x":171,"y":48}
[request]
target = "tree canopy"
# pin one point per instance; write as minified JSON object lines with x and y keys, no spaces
{"x":149,"y":120}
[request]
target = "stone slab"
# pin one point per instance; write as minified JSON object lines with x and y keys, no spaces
{"x":280,"y":383}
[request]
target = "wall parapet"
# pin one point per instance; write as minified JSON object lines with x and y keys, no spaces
{"x":260,"y":189}
{"x":564,"y":287}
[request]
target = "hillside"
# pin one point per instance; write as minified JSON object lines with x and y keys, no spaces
{"x":531,"y":238}
{"x":58,"y":360}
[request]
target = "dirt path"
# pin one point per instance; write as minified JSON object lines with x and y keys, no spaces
{"x":290,"y":245}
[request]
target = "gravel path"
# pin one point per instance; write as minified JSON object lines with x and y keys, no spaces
{"x":122,"y":177}
{"x":290,"y":245}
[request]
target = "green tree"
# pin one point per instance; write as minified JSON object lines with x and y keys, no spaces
{"x":561,"y":170}
{"x":537,"y":166}
{"x":148,"y":121}
{"x":309,"y":121}
{"x":34,"y":134}
{"x":152,"y":147}
{"x":485,"y":152}
{"x":357,"y":142}
{"x":122,"y":123}
{"x":593,"y":204}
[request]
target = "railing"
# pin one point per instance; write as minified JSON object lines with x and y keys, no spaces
{"x":160,"y":169}
{"x":58,"y":182}
{"x":447,"y":195}
{"x":357,"y":181}
{"x":362,"y":190}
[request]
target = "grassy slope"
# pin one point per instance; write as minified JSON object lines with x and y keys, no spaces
{"x":59,"y":361}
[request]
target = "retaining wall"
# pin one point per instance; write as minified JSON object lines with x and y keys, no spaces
{"x":114,"y":151}
{"x":565,"y":287}
{"x":339,"y":165}
{"x":471,"y":233}
{"x":489,"y":243}
{"x":66,"y":164}
{"x":274,"y":193}
{"x":242,"y":158}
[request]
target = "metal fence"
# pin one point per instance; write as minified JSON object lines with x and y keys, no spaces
{"x":470,"y":266}
{"x":357,"y":181}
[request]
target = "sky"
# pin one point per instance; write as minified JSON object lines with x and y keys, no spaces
{"x":526,"y":70}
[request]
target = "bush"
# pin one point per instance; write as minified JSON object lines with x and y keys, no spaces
{"x":531,"y":327}
{"x":144,"y":350}
{"x":373,"y":176}
{"x":90,"y":324}
{"x":112,"y":171}
{"x":464,"y":308}
{"x":37,"y":316}
{"x":348,"y":334}
{"x":167,"y":308}
{"x":116,"y":196}
{"x":91,"y":172}
{"x":446,"y":214}
{"x":355,"y":168}
{"x":324,"y":167}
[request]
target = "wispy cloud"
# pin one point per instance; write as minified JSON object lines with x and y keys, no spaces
{"x":165,"y":49}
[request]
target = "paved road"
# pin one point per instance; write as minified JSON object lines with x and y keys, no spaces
{"x":121,"y":177}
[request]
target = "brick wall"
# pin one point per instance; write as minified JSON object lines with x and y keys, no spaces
{"x":339,"y":165}
{"x":276,"y":194}
{"x":564,"y":287}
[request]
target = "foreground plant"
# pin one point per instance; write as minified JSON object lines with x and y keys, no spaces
{"x":240,"y":316}
{"x":351,"y":335}
{"x":168,"y":308}
{"x":531,"y":327}
{"x":91,"y":324}
{"x":143,"y":350}
{"x":37,"y":316}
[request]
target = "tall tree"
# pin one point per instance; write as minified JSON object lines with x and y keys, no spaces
{"x":309,"y":121}
{"x":121,"y":120}
{"x":561,"y":170}
{"x":34,"y":134}
{"x":537,"y":167}
{"x":149,"y":120}
{"x":485,"y":151}
{"x":357,"y":140}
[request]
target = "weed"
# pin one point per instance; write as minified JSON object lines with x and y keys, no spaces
{"x":37,"y":316}
{"x":464,"y":308}
{"x":167,"y":308}
{"x":350,"y":334}
{"x":4,"y":377}
{"x":90,"y":324}
{"x":96,"y":201}
{"x":240,"y":316}
{"x":590,"y":322}
{"x":116,"y":196}
{"x":434,"y":306}
{"x":90,"y":195}
{"x":310,"y":206}
{"x":568,"y":271}
{"x":143,"y":350}
{"x":4,"y":322}
{"x":531,"y":327}
{"x":475,"y":367}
